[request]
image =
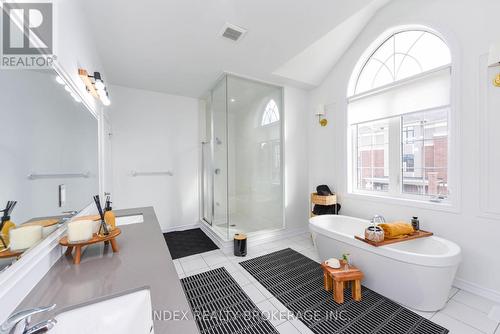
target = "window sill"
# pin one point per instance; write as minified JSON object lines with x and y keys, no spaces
{"x":400,"y":201}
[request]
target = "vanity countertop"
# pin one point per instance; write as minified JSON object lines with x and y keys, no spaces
{"x":143,"y":261}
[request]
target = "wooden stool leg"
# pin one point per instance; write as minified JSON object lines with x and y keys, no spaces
{"x":78,"y":255}
{"x":69,"y":250}
{"x":356,"y":290}
{"x":114,"y":245}
{"x":338,"y":292}
{"x":327,"y":279}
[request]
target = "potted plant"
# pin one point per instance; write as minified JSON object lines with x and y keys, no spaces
{"x":345,"y":261}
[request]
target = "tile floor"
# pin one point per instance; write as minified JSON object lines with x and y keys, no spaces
{"x":464,"y":313}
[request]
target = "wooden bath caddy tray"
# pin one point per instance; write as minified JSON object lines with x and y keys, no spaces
{"x":415,"y":235}
{"x":96,"y":239}
{"x":7,"y":253}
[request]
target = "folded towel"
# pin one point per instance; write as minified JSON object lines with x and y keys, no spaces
{"x":397,"y":230}
{"x":319,"y":210}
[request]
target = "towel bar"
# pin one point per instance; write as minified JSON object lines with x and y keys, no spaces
{"x":34,"y":176}
{"x":135,"y":173}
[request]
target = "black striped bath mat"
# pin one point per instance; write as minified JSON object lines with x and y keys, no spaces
{"x":220,"y":305}
{"x":297,"y":282}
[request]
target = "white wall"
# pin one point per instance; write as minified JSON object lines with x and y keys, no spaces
{"x":156,"y":132}
{"x":469,"y":26}
{"x":296,"y":143}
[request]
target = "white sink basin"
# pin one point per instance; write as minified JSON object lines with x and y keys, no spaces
{"x":129,"y":313}
{"x":126,"y":220}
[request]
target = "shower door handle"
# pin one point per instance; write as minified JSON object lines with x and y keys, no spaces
{"x":217,"y":171}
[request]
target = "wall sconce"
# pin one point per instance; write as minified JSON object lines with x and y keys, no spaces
{"x":95,"y":86}
{"x":320,"y":112}
{"x":494,"y":61}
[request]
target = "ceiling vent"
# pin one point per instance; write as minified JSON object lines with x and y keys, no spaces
{"x":233,"y":32}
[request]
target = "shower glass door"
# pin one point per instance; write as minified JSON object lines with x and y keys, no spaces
{"x":219,"y":153}
{"x":242,"y":157}
{"x":255,"y":177}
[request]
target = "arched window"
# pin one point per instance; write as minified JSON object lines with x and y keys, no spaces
{"x":402,"y":55}
{"x":398,"y":112}
{"x":271,"y":113}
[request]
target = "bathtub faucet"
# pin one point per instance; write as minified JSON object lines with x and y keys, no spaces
{"x":377,"y":219}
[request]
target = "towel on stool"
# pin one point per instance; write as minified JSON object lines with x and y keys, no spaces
{"x":397,"y":230}
{"x":319,"y":210}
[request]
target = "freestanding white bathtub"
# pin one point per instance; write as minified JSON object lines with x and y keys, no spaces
{"x":416,"y":273}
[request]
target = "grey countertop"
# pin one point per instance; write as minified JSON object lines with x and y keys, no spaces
{"x":143,"y":261}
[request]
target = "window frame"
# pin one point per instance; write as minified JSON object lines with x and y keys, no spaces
{"x":454,"y":121}
{"x":380,"y":44}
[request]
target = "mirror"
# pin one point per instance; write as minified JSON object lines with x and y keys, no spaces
{"x":49,"y":158}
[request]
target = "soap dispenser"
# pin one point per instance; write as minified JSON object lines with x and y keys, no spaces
{"x":6,"y":225}
{"x":109,"y":215}
{"x":415,"y":223}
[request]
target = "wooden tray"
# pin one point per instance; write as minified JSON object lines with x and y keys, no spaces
{"x":42,"y":223}
{"x":415,"y":235}
{"x":96,"y":239}
{"x":6,"y":254}
{"x":92,"y":217}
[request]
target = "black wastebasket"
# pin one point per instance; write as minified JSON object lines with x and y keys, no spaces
{"x":240,"y":244}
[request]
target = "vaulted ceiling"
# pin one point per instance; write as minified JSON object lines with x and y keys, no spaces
{"x":174,"y":46}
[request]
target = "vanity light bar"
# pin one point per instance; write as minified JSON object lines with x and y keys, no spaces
{"x":67,"y":88}
{"x":95,"y":86}
{"x":88,"y":82}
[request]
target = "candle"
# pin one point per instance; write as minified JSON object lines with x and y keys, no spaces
{"x":24,"y":237}
{"x":80,"y":230}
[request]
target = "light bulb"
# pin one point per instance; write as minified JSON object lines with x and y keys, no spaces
{"x":60,"y":80}
{"x":106,"y":101}
{"x":66,"y":87}
{"x":99,"y":85}
{"x":76,"y":97}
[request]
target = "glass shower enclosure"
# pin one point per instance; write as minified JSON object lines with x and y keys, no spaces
{"x":242,"y":154}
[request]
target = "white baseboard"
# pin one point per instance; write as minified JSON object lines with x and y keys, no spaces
{"x":477,"y":289}
{"x":180,"y":228}
{"x":254,"y":239}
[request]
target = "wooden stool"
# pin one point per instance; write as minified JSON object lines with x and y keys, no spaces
{"x":339,"y":277}
{"x":96,"y":239}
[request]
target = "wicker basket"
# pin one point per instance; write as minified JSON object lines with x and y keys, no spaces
{"x":323,"y":200}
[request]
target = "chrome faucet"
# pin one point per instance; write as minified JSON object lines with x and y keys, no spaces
{"x":68,"y":216}
{"x":19,"y":323}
